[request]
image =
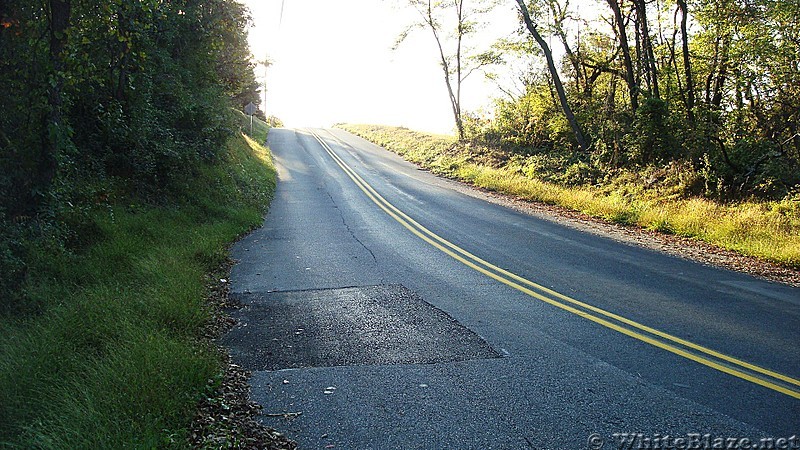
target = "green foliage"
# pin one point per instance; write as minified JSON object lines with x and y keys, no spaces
{"x":111,"y":358}
{"x":726,"y":108}
{"x":751,"y":166}
{"x":122,"y":179}
{"x":163,"y":106}
{"x":651,"y":140}
{"x":126,"y":101}
{"x":580,"y":173}
{"x":531,"y":123}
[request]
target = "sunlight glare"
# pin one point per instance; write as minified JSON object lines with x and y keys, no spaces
{"x":333,"y":62}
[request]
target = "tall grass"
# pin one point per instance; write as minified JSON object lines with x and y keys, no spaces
{"x":112,"y":358}
{"x":768,"y":230}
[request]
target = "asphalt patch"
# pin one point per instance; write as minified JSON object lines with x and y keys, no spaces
{"x":373,"y":325}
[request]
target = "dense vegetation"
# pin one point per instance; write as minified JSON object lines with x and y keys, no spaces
{"x":114,"y":357}
{"x":124,"y":177}
{"x":706,"y":92}
{"x":107,"y":99}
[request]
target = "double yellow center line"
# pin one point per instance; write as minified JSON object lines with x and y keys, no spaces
{"x":689,"y":350}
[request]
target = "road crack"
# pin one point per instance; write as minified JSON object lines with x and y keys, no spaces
{"x":350,"y":230}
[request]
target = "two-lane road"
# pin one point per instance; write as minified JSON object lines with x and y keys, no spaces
{"x":388,"y":308}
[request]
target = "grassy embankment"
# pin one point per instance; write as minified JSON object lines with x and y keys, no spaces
{"x":114,"y":357}
{"x":768,"y":230}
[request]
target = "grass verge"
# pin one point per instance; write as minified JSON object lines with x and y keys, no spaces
{"x":113,"y":357}
{"x":259,"y":127}
{"x":767,"y":230}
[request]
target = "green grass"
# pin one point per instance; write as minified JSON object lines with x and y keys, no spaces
{"x":260,"y":128}
{"x":113,"y":358}
{"x":768,"y":230}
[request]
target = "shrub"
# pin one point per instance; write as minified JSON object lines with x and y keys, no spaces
{"x":651,"y":139}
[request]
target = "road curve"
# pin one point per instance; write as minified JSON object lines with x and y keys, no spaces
{"x":389,"y":308}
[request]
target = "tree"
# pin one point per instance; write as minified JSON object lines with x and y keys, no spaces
{"x":723,"y":104}
{"x":136,"y":91}
{"x":646,"y":55}
{"x":687,"y":61}
{"x":233,"y":60}
{"x":59,"y":22}
{"x":630,"y":74}
{"x":458,"y":63}
{"x":551,"y":66}
{"x":560,"y":16}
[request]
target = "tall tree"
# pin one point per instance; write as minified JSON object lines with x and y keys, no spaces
{"x":457,"y":63}
{"x":551,"y":66}
{"x":630,"y":74}
{"x":647,"y":55}
{"x":560,"y":15}
{"x":687,"y":61}
{"x":60,"y":11}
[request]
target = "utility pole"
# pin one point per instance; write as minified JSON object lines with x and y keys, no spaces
{"x":264,"y":107}
{"x":266,"y":63}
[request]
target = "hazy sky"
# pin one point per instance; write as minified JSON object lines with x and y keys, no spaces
{"x":333,"y":63}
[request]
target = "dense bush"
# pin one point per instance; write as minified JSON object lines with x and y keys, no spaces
{"x":724,"y":107}
{"x":650,"y":139}
{"x":113,"y":99}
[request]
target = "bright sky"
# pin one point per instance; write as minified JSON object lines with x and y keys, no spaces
{"x":333,"y":62}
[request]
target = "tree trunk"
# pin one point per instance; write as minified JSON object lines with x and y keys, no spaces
{"x":651,"y":71}
{"x":455,"y":95}
{"x":59,"y":22}
{"x":562,"y":96}
{"x":722,"y":74}
{"x":687,"y":62}
{"x":673,"y":61}
{"x":714,"y":62}
{"x":610,"y":107}
{"x":457,"y":108}
{"x":559,"y":15}
{"x":630,"y":76}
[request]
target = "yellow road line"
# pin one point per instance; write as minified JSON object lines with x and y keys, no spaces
{"x":595,"y":309}
{"x":513,"y":280}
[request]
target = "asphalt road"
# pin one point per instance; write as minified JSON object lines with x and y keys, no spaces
{"x":389,"y":308}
